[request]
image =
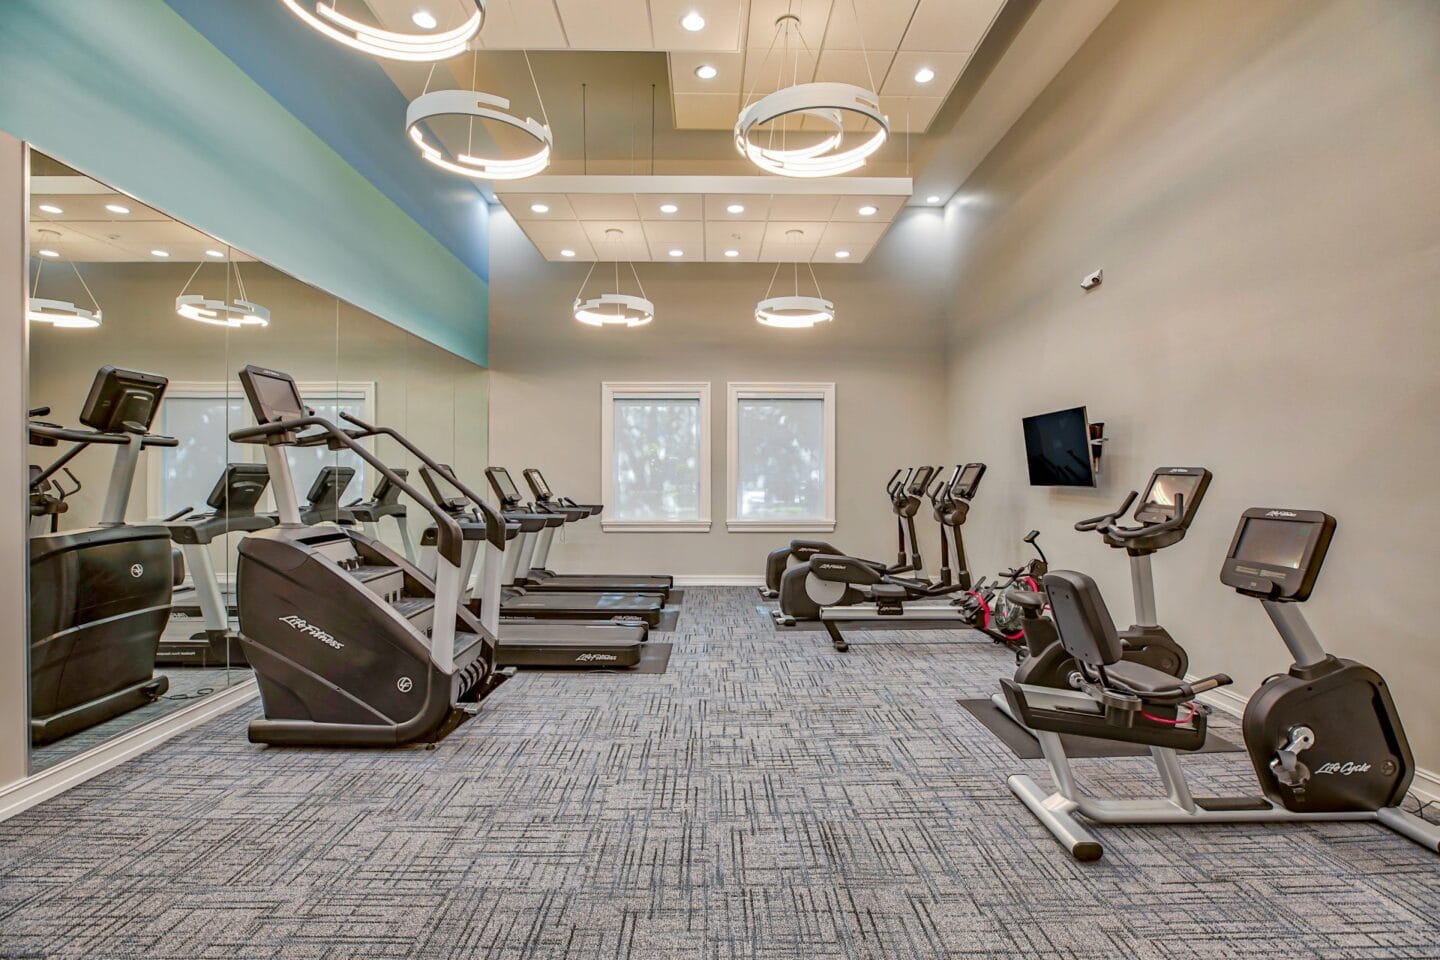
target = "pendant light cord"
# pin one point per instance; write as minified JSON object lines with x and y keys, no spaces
{"x":93,"y":302}
{"x":192,"y":277}
{"x":860,"y":34}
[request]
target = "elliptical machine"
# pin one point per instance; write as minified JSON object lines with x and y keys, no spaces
{"x":1324,"y":738}
{"x":352,"y":644}
{"x":99,"y":596}
{"x":904,"y":493}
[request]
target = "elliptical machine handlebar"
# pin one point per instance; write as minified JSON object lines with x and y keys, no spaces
{"x":451,"y":540}
{"x":70,"y":435}
{"x":494,"y":522}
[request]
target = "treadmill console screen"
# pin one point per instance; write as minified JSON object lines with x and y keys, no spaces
{"x":1276,"y":554}
{"x":329,"y":484}
{"x":538,"y":486}
{"x":505,"y":486}
{"x":123,"y":401}
{"x":273,"y":395}
{"x":1167,"y":483}
{"x":239,"y":488}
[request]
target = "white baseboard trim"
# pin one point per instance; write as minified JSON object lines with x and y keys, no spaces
{"x":1426,"y":784}
{"x":719,"y":580}
{"x":56,"y":780}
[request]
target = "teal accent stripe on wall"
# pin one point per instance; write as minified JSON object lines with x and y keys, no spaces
{"x":131,"y":94}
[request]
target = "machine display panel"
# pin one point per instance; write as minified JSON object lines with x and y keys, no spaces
{"x":1273,"y":543}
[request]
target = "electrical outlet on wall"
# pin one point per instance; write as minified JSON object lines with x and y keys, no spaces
{"x":1093,"y":280}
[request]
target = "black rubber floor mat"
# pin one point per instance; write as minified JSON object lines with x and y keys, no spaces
{"x":1023,"y":744}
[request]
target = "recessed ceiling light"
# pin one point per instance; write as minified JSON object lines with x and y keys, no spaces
{"x":706,"y":72}
{"x":539,"y":208}
{"x":159,"y":253}
{"x":868,"y":211}
{"x":693,"y":22}
{"x":842,"y":254}
{"x":50,"y":208}
{"x":217,"y":254}
{"x":677,"y":253}
{"x":932,"y":199}
{"x":735,"y":208}
{"x":116,"y":208}
{"x":732,"y":253}
{"x":567,"y":253}
{"x":924,"y":75}
{"x":423,"y":19}
{"x":47,"y":253}
{"x":669,"y":208}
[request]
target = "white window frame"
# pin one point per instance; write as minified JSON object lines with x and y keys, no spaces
{"x":612,"y":391}
{"x":362,"y":390}
{"x":736,"y":392}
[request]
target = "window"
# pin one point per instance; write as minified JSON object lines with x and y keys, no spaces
{"x":197,"y":412}
{"x":780,"y":439}
{"x":655,"y":440}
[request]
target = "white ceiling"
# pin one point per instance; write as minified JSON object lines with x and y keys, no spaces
{"x":825,"y":213}
{"x":878,"y":44}
{"x":88,"y":233}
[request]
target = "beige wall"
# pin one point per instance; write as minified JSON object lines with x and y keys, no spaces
{"x":1259,"y":181}
{"x":435,"y":397}
{"x":884,"y":352}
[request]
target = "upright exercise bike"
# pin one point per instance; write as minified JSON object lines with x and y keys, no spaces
{"x":1324,"y":738}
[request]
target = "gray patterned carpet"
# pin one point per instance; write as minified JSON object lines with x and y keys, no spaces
{"x":766,"y":797}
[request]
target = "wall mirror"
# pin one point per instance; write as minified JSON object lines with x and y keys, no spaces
{"x":139,"y":501}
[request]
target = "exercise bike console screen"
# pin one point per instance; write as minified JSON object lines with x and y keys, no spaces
{"x":123,"y":401}
{"x":1168,"y":483}
{"x":1277,"y":554}
{"x":1057,"y":449}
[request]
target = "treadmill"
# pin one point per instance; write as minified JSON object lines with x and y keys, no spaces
{"x":589,"y":644}
{"x":521,"y":601}
{"x":232,"y":505}
{"x":536,"y":576}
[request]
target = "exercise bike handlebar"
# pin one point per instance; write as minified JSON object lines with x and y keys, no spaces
{"x":450,"y":538}
{"x":1094,"y":523}
{"x":1118,"y":532}
{"x":494,"y":522}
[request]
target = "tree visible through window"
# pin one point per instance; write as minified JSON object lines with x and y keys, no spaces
{"x":656,"y":459}
{"x":780,"y":449}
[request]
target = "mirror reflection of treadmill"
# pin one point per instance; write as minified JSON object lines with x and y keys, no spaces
{"x":542,"y":630}
{"x":540,"y":577}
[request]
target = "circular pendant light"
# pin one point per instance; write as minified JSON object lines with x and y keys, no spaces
{"x":795,"y":311}
{"x":60,"y":313}
{"x":414,"y":47}
{"x":477,"y":106}
{"x":614,"y":309}
{"x":826,"y":102}
{"x":219,"y":313}
{"x":236,"y":313}
{"x":830,"y":104}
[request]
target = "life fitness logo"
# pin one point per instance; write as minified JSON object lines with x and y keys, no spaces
{"x":1281,"y":513}
{"x":310,"y":630}
{"x":137,"y":570}
{"x":404,"y":684}
{"x":595,"y":658}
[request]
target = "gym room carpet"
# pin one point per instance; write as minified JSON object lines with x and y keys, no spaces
{"x":765,"y":797}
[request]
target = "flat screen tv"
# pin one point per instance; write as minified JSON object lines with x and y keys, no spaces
{"x":1057,"y":449}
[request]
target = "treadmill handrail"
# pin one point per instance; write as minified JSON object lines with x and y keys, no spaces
{"x":494,"y":522}
{"x":451,"y":539}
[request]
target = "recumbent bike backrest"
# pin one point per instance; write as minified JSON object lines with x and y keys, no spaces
{"x":1081,"y":618}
